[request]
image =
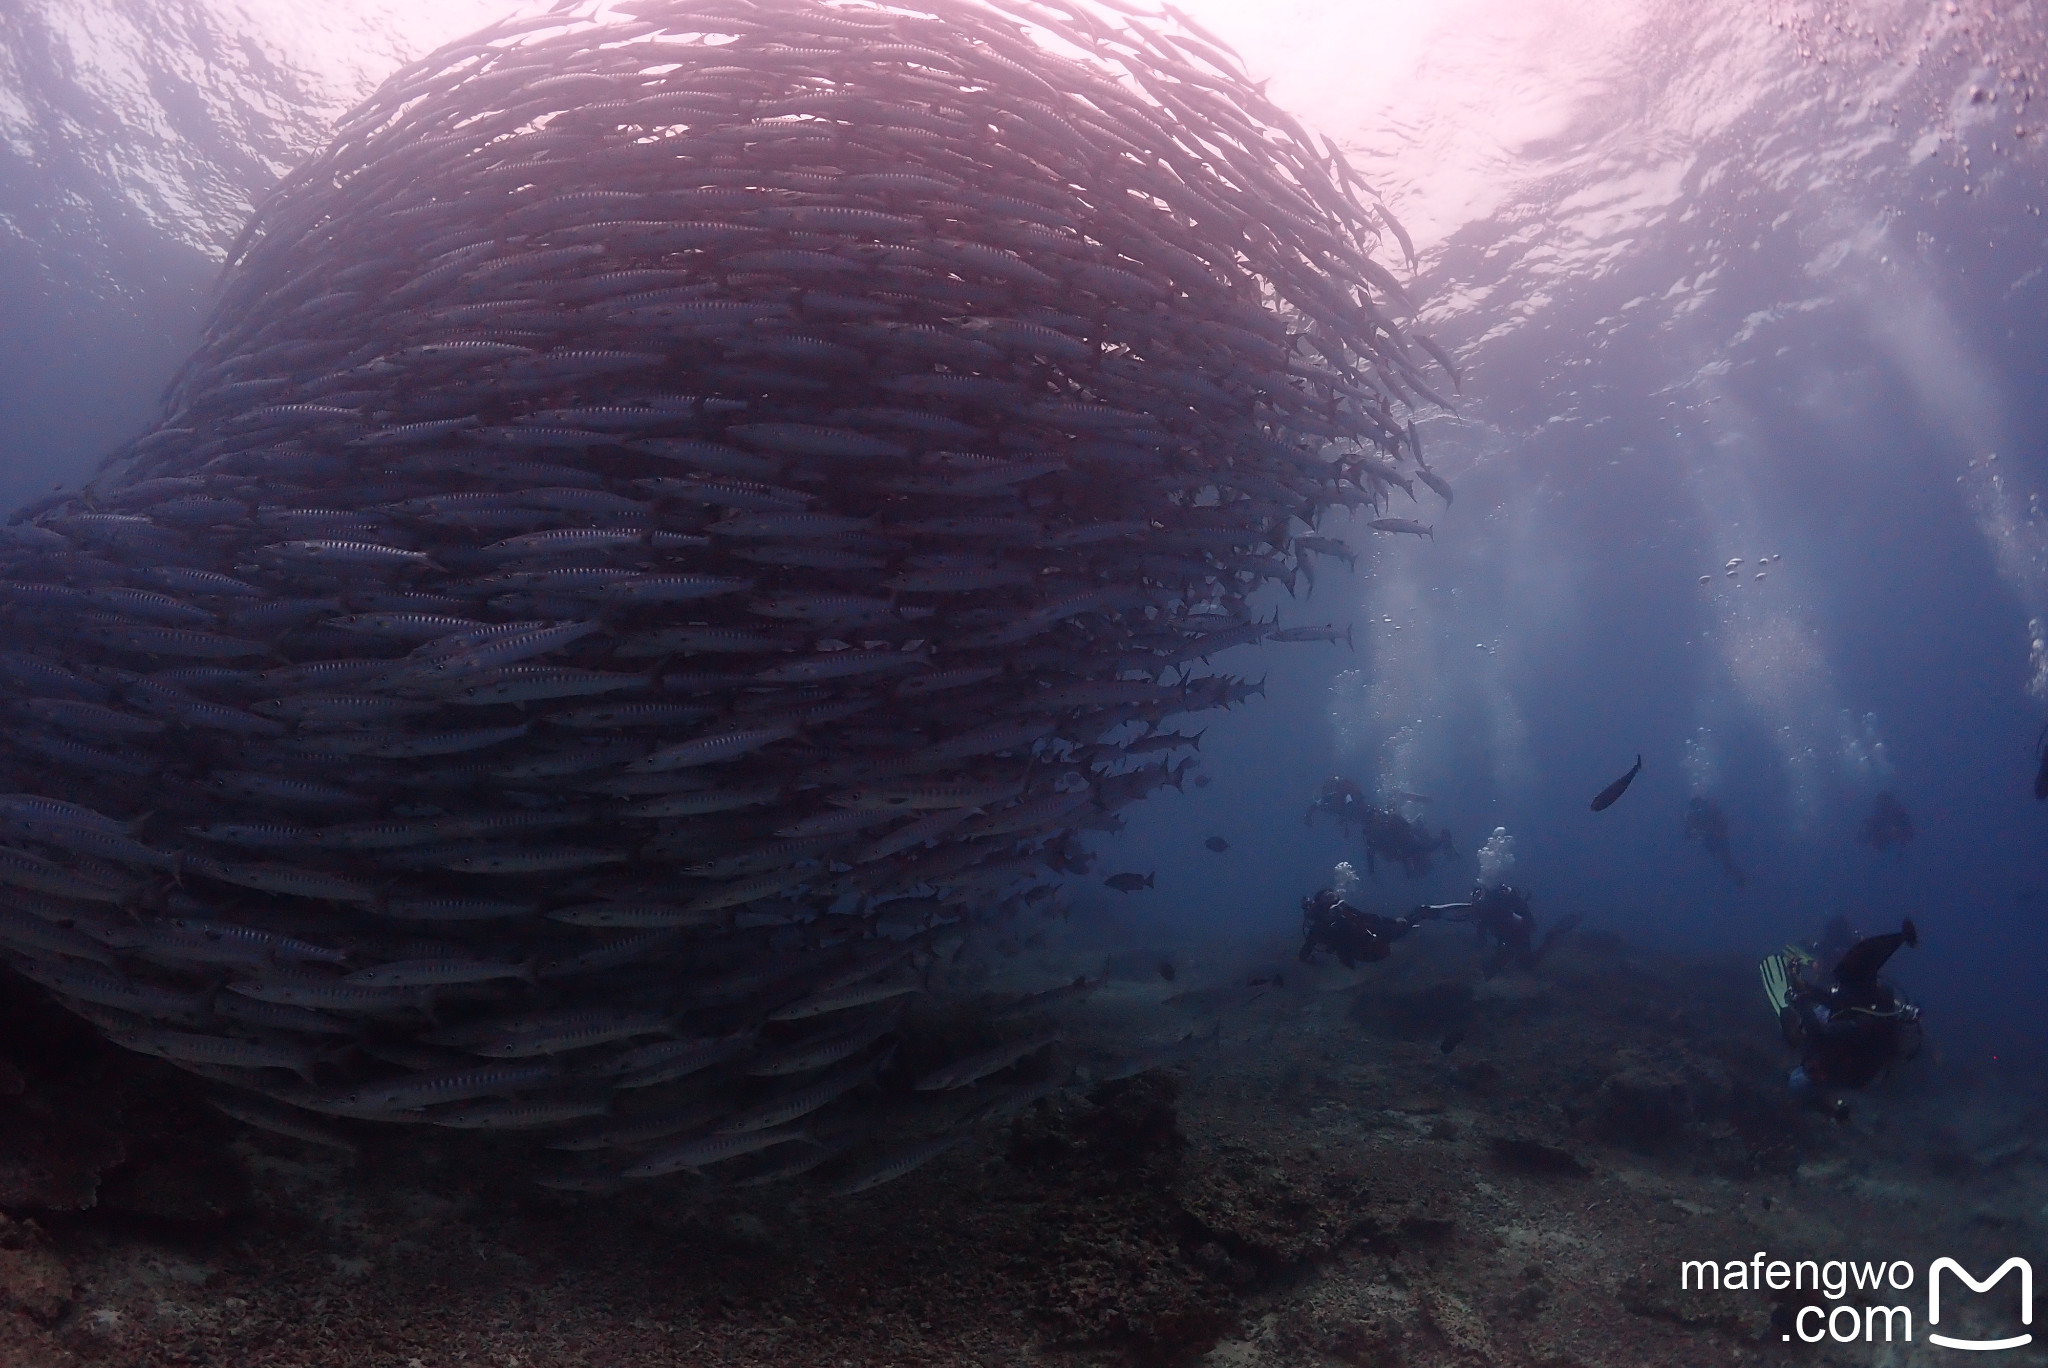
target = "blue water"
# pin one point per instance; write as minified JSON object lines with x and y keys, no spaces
{"x":1765,"y":282}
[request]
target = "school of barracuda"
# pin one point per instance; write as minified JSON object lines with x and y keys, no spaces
{"x":677,"y":516}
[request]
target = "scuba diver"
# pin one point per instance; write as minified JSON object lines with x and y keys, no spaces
{"x":1848,"y":1031}
{"x":1349,"y":933}
{"x":1835,"y":940}
{"x":1706,"y":823}
{"x":1503,"y":913}
{"x":1388,"y":835}
{"x":1888,"y":825}
{"x":1340,"y":798}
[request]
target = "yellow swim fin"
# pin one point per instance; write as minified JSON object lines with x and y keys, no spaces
{"x":1776,"y":985}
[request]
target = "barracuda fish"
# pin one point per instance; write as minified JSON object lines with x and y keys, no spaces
{"x":809,"y":1055}
{"x":533,"y":1114}
{"x":518,"y":859}
{"x":185,"y":1048}
{"x":20,"y":869}
{"x":31,"y":807}
{"x":437,"y":1088}
{"x":279,"y":1016}
{"x":90,"y":984}
{"x":901,"y":1163}
{"x":535,"y":684}
{"x":915,"y":797}
{"x":704,"y":802}
{"x":90,"y":719}
{"x":622,"y":950}
{"x":323,"y":992}
{"x":634,"y":914}
{"x":435,"y":973}
{"x":640,"y":1130}
{"x":628,"y":716}
{"x":47,"y":679}
{"x":842,"y":999}
{"x":29,"y":934}
{"x":294,"y":880}
{"x":1052,"y":998}
{"x":1037,"y":814}
{"x":913,"y":834}
{"x":396,"y":745}
{"x":417,"y":627}
{"x":745,"y":891}
{"x":646,"y":1066}
{"x":1187,"y":1049}
{"x":715,"y":748}
{"x":834,"y":823}
{"x":209,"y":940}
{"x":1329,"y":634}
{"x":1408,"y":525}
{"x":280,"y":1120}
{"x":547,"y":1033}
{"x":722,"y":501}
{"x":841,"y":665}
{"x":797,"y":1103}
{"x":1435,"y":482}
{"x":965,"y":1072}
{"x":326,"y":552}
{"x":438,"y":909}
{"x":707,"y":1150}
{"x":499,"y":651}
{"x":274,"y":788}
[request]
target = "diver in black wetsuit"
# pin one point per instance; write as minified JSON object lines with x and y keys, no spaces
{"x":1342,"y":799}
{"x":1392,"y":837}
{"x":1707,"y":824}
{"x":1835,"y":940}
{"x":1330,"y":923}
{"x":1503,"y":913}
{"x":1849,"y":1031}
{"x":1388,"y":835}
{"x":1888,"y":825}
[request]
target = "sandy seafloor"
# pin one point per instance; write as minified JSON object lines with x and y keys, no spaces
{"x":1328,"y":1186}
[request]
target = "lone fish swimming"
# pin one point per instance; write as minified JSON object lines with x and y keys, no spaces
{"x":1606,"y":797}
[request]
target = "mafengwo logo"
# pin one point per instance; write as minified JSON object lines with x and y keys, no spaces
{"x":1863,"y":1320}
{"x":2026,"y":1272}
